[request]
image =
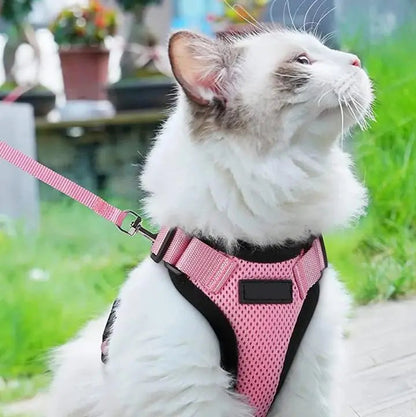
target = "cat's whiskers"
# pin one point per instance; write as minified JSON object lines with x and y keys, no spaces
{"x":253,"y":20}
{"x":367,"y":112}
{"x":323,"y":95}
{"x":284,"y":14}
{"x":290,"y":15}
{"x":298,"y":8}
{"x":259,"y":25}
{"x":342,"y":122}
{"x":292,"y":76}
{"x":317,"y":10}
{"x":357,"y":105}
{"x":328,"y":36}
{"x":351,"y":111}
{"x":358,"y":120}
{"x":364,"y":112}
{"x":306,"y":15}
{"x":271,"y":13}
{"x":321,"y":19}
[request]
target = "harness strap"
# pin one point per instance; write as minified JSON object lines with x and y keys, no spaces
{"x":212,"y":268}
{"x":62,"y":184}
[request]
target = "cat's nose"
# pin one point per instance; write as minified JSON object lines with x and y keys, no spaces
{"x":356,"y":62}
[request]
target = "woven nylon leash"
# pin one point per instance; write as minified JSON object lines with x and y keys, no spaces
{"x":75,"y":191}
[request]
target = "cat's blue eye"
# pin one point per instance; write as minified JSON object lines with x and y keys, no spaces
{"x":303,"y":59}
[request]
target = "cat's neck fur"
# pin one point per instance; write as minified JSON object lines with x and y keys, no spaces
{"x":223,"y":189}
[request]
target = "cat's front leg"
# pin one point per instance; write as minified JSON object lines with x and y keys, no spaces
{"x":313,"y":385}
{"x":164,"y":358}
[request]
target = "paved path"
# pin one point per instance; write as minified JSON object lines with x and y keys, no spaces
{"x":382,"y":350}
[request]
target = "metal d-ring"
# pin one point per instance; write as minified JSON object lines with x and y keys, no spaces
{"x":136,"y":227}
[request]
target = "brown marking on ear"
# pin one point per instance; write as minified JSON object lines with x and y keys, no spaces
{"x":203,"y":65}
{"x":217,"y":117}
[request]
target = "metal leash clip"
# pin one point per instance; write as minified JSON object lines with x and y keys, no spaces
{"x":136,"y":227}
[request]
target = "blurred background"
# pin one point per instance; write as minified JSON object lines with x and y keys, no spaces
{"x":84,"y":86}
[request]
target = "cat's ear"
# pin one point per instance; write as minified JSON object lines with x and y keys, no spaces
{"x":202,"y":66}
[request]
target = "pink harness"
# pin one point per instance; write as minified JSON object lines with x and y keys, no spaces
{"x":253,"y":307}
{"x":261,"y":301}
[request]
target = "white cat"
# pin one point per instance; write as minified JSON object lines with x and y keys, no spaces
{"x":251,"y":152}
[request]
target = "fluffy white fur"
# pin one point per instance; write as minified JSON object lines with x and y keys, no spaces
{"x":284,"y":177}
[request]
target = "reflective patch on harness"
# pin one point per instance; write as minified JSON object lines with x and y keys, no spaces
{"x":256,"y":291}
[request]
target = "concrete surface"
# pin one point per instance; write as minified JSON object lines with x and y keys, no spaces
{"x":382,"y":350}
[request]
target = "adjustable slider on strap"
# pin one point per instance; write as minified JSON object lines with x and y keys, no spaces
{"x":209,"y":267}
{"x":169,"y":245}
{"x":308,"y":269}
{"x":163,"y":246}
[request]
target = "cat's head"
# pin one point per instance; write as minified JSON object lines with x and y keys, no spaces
{"x":272,"y":89}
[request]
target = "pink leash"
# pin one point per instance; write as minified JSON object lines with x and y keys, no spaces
{"x":73,"y":190}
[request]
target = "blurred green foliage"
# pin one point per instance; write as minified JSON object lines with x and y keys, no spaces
{"x":15,"y":11}
{"x":378,"y":259}
{"x":85,"y":26}
{"x":52,"y":282}
{"x":129,"y":5}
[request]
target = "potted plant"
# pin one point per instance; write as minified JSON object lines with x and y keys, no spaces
{"x":80,"y":33}
{"x":134,"y":31}
{"x":144,"y":83}
{"x":147,"y":86}
{"x":238,"y":19}
{"x":41,"y":98}
{"x":18,"y":29}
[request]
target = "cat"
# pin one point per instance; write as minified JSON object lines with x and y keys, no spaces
{"x":252,"y":152}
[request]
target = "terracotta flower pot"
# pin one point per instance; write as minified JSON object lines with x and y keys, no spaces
{"x":85,"y":72}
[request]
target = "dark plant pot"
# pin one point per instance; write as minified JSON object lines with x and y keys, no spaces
{"x":85,"y":72}
{"x":43,"y":101}
{"x":141,"y":93}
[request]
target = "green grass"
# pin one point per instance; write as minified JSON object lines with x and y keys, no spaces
{"x":378,"y":260}
{"x":85,"y":259}
{"x":16,"y":389}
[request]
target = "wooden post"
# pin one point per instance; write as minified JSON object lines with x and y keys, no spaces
{"x":19,"y":194}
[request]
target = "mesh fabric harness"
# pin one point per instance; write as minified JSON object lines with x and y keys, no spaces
{"x":263,"y":329}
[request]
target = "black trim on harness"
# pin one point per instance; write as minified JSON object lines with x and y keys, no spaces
{"x":264,"y":254}
{"x":225,"y":334}
{"x":302,"y":323}
{"x":321,"y":239}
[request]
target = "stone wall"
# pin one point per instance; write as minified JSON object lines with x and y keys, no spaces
{"x":105,"y":159}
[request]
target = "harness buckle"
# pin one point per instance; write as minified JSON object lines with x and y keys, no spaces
{"x":136,"y":227}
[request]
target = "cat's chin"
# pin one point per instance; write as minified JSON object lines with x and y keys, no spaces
{"x":341,"y":117}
